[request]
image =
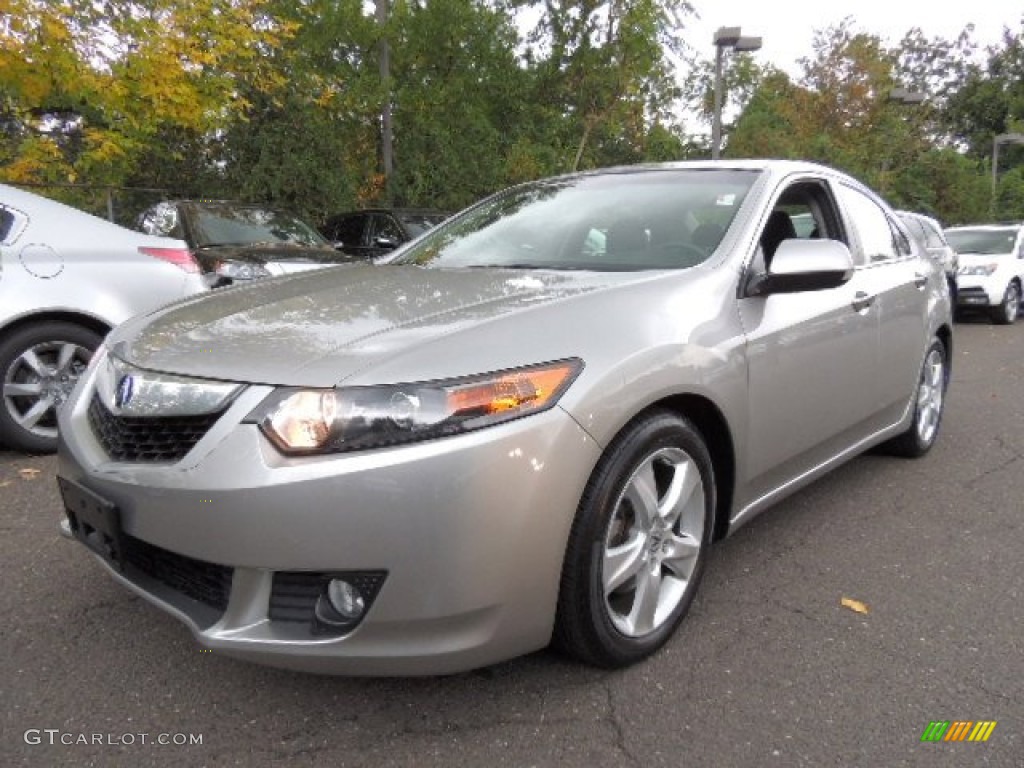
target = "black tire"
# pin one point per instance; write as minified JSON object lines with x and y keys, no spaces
{"x":47,"y":341}
{"x":929,"y":405}
{"x":669,"y":558}
{"x":1006,"y":312}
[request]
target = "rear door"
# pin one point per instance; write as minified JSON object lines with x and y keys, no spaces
{"x":900,"y":280}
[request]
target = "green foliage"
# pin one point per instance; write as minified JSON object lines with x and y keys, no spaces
{"x":280,"y":101}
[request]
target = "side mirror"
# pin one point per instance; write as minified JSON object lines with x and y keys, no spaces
{"x":804,"y":265}
{"x":384,"y":241}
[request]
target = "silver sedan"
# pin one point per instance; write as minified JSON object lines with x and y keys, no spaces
{"x":529,"y":426}
{"x":66,"y":279}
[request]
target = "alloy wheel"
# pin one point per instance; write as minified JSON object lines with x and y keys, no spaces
{"x":39,"y":380}
{"x":930,"y":392}
{"x":653,"y":541}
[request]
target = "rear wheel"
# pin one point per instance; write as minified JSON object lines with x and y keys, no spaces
{"x":638,"y":544}
{"x":39,"y":366}
{"x":1006,"y":312}
{"x":930,"y":400}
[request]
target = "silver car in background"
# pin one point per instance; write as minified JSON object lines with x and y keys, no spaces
{"x":530,"y":425}
{"x":929,"y":233}
{"x":66,"y":279}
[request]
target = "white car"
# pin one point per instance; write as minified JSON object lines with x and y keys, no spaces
{"x":66,"y":279}
{"x":991,"y":269}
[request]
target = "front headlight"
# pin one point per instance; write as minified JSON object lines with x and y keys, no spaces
{"x":305,"y":421}
{"x":241,"y":270}
{"x":978,"y":269}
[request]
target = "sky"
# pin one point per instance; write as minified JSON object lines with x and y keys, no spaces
{"x":787,"y":26}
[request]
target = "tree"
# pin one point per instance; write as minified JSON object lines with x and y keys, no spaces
{"x":87,"y":88}
{"x":605,"y":67}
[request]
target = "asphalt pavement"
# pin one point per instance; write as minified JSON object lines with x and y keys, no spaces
{"x":769,"y":669}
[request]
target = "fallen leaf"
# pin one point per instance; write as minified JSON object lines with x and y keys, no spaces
{"x":5,"y":483}
{"x":29,"y":473}
{"x":853,"y":605}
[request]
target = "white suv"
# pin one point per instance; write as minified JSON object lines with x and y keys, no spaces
{"x":991,"y":268}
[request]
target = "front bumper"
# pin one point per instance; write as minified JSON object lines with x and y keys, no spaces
{"x":470,"y":532}
{"x":980,"y":290}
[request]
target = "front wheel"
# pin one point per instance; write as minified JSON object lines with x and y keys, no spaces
{"x":929,"y":402}
{"x":638,"y":544}
{"x":39,"y":366}
{"x":1006,"y":312}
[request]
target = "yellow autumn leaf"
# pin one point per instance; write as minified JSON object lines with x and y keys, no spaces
{"x":29,"y":473}
{"x":854,"y":605}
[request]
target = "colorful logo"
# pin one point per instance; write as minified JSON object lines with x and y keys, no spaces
{"x":958,"y":730}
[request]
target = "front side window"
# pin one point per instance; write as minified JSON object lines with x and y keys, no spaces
{"x":349,"y":230}
{"x":386,"y":227}
{"x":620,"y":222}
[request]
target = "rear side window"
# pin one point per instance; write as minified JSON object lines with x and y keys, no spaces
{"x":933,"y":237}
{"x":6,"y":224}
{"x":877,"y":237}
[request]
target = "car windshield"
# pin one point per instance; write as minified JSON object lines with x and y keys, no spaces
{"x":986,"y":240}
{"x":628,"y":221}
{"x":224,"y":224}
{"x":418,"y":223}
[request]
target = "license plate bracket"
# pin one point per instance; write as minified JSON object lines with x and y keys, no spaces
{"x":95,"y":521}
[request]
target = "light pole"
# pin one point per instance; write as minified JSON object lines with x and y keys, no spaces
{"x":725,"y":37}
{"x":1002,"y":138}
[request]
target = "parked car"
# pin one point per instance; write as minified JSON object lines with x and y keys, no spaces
{"x":66,"y":279}
{"x":240,"y":241}
{"x":929,"y":233}
{"x":991,"y":269}
{"x":374,"y":232}
{"x":512,"y":432}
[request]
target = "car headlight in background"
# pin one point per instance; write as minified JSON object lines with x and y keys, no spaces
{"x":978,"y":269}
{"x":241,"y":270}
{"x":305,"y":421}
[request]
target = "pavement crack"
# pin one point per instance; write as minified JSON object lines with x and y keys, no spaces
{"x":617,"y":726}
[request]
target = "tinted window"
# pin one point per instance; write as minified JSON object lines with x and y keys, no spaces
{"x":606,"y":222}
{"x":349,"y":230}
{"x":871,"y":224}
{"x":6,"y":223}
{"x":385,"y":226}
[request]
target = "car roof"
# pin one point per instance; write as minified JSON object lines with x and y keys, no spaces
{"x":991,"y":225}
{"x":399,"y":210}
{"x":915,"y":215}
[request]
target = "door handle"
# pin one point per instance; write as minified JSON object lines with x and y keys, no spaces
{"x":862,"y":301}
{"x":920,"y":280}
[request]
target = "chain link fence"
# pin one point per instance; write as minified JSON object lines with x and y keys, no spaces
{"x":121,"y":205}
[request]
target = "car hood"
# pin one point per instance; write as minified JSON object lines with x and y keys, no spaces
{"x":319,"y":328}
{"x":974,"y":259}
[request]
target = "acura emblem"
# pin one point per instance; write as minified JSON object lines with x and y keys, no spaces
{"x":125,"y":390}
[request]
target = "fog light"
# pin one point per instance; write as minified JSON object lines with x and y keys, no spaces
{"x":340,"y":604}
